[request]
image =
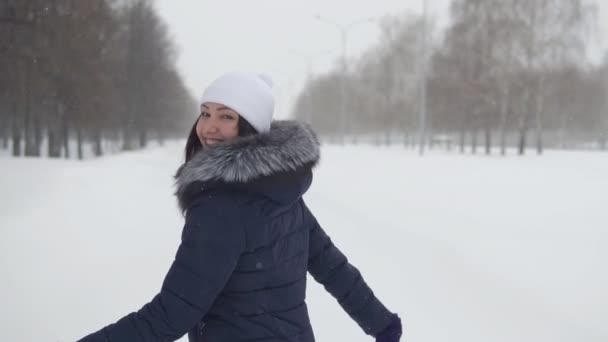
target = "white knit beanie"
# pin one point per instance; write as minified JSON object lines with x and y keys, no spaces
{"x":247,"y":93}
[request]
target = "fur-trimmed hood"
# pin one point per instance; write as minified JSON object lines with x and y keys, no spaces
{"x":290,"y":146}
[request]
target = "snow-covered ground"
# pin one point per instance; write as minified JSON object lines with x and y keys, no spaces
{"x":465,"y":248}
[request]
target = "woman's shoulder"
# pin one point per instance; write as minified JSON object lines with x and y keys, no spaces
{"x":221,"y":201}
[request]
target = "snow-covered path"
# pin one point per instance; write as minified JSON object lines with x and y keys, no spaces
{"x":465,"y":248}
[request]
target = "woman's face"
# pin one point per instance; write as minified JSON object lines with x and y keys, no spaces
{"x":216,"y":124}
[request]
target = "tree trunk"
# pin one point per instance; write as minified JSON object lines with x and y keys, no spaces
{"x":504,"y":113}
{"x":79,"y":143}
{"x":539,"y":140}
{"x":539,"y":104}
{"x":387,"y":125}
{"x":474,"y":142}
{"x":65,"y":135}
{"x":29,"y":135}
{"x":4,"y":133}
{"x":503,"y":141}
{"x":522,"y":139}
{"x":16,"y":131}
{"x":127,"y":138}
{"x":524,"y":121}
{"x":488,"y":140}
{"x":462,"y":137}
{"x":53,"y":133}
{"x":143,"y":138}
{"x":30,"y":131}
{"x":54,"y":147}
{"x":97,"y":144}
{"x":37,"y":135}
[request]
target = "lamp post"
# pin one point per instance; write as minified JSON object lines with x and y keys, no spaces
{"x":344,"y":30}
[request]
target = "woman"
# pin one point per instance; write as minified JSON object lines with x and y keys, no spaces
{"x":249,"y":239}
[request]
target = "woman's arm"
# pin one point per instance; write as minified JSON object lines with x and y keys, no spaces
{"x":330,"y":267}
{"x":210,"y":248}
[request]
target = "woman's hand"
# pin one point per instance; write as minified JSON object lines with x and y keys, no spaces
{"x":392,"y":333}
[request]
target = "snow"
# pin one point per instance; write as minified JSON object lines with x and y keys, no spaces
{"x":464,"y":248}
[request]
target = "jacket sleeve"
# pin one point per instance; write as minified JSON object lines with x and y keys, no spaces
{"x":205,"y":259}
{"x":328,"y":266}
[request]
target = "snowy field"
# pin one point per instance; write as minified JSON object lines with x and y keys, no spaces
{"x":464,"y":248}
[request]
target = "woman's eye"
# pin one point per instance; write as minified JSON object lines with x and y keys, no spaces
{"x":227,"y":117}
{"x":205,"y":114}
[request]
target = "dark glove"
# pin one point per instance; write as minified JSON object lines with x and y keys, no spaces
{"x":392,"y":333}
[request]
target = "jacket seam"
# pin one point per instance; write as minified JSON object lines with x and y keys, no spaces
{"x":272,"y":244}
{"x":275,"y":267}
{"x":227,"y":294}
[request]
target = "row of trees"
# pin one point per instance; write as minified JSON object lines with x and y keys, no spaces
{"x":506,"y":72}
{"x":86,"y":71}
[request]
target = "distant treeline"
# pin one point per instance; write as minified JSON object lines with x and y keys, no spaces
{"x":87,"y":71}
{"x":506,"y":73}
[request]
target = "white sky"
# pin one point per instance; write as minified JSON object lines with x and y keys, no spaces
{"x":216,"y":36}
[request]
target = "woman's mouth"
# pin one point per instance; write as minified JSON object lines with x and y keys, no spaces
{"x":210,"y":142}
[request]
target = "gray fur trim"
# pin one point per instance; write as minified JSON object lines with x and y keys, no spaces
{"x":288,"y":146}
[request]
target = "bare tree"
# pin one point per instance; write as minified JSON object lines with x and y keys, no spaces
{"x":552,"y":33}
{"x":381,"y":87}
{"x":499,"y":53}
{"x":71,"y":75}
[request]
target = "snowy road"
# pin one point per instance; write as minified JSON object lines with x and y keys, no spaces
{"x":465,"y":248}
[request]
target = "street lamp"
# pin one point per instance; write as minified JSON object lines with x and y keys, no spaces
{"x":344,"y":30}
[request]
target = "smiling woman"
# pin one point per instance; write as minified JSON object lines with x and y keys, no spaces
{"x":249,"y":239}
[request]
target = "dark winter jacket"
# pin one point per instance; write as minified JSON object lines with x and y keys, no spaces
{"x":247,"y":244}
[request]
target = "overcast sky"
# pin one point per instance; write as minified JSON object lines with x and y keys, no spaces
{"x":216,"y":36}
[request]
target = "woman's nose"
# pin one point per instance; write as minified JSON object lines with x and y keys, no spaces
{"x":211,"y":127}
